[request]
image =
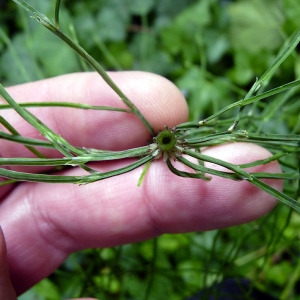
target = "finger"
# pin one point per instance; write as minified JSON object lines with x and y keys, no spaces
{"x":6,"y":289}
{"x":43,"y":225}
{"x":157,"y":98}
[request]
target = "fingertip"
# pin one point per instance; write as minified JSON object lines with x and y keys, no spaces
{"x":250,"y":201}
{"x":183,"y":204}
{"x":242,"y":153}
{"x":159,"y":100}
{"x":162,"y":103}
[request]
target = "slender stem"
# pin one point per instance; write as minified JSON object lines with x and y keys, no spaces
{"x":242,"y":174}
{"x":84,"y":179}
{"x":25,"y":141}
{"x":59,"y":143}
{"x":56,"y":13}
{"x":74,"y":161}
{"x":277,"y":194}
{"x":146,"y":167}
{"x":284,"y":53}
{"x":66,"y":104}
{"x":86,"y":56}
{"x":244,"y":102}
{"x":15,"y":133}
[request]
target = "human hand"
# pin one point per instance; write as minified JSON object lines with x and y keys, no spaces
{"x":44,"y":223}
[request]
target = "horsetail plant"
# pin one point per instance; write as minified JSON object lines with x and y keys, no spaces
{"x":179,"y":143}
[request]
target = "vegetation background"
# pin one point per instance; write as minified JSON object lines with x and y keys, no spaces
{"x":212,"y":50}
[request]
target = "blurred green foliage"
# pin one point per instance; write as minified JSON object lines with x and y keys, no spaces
{"x":212,"y":50}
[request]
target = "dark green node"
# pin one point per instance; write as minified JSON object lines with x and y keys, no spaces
{"x":166,"y":140}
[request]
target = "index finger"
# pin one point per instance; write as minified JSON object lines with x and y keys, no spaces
{"x":156,"y":97}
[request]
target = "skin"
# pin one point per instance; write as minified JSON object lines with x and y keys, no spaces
{"x":43,"y":223}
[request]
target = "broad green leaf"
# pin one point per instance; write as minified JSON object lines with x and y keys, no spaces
{"x":255,"y":25}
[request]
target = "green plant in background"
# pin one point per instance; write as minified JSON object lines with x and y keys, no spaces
{"x":251,"y":119}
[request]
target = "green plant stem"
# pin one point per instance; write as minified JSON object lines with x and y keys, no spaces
{"x":59,"y":143}
{"x":25,"y":141}
{"x":86,"y":56}
{"x":284,"y":53}
{"x":241,"y":103}
{"x":15,"y":133}
{"x":66,"y":104}
{"x":84,"y":179}
{"x":92,"y":156}
{"x":242,"y":174}
{"x":56,"y":13}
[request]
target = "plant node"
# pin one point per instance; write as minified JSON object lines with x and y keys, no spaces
{"x":166,"y":144}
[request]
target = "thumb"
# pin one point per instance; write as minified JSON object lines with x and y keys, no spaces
{"x":6,"y":289}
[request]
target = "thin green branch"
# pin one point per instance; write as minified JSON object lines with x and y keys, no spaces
{"x":248,"y":101}
{"x":203,"y":170}
{"x":56,"y":13}
{"x":263,"y":161}
{"x":86,"y":56}
{"x":59,"y":143}
{"x":286,"y":50}
{"x":285,"y":176}
{"x":84,"y":179}
{"x":243,"y":174}
{"x":263,"y":80}
{"x":66,"y":104}
{"x":15,"y":133}
{"x":25,"y":141}
{"x":95,"y":156}
{"x":285,"y":199}
{"x":185,"y":174}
